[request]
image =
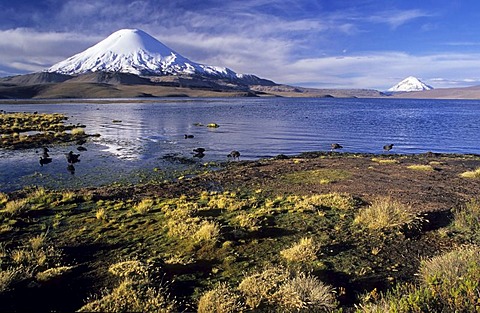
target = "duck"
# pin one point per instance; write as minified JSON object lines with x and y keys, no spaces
{"x":45,"y":152}
{"x":45,"y":160}
{"x":335,"y":146}
{"x":188,"y":136}
{"x":234,"y":155}
{"x":81,"y":148}
{"x":387,"y":148}
{"x":199,"y":150}
{"x":72,"y":158}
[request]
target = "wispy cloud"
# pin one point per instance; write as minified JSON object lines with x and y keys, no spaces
{"x":396,"y":18}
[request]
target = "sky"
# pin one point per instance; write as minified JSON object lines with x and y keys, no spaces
{"x":321,"y":44}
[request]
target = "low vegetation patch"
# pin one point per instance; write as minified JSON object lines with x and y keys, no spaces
{"x":318,"y":176}
{"x":471,"y":174}
{"x":420,"y":167}
{"x":385,"y":161}
{"x":27,"y":130}
{"x":386,"y":213}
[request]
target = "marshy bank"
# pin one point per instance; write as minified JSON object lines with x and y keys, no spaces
{"x":316,"y":232}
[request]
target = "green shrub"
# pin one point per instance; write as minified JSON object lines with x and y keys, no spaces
{"x":454,"y":278}
{"x":467,"y":220}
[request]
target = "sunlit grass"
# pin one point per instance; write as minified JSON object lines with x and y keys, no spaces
{"x":420,"y":167}
{"x":385,"y":213}
{"x":385,"y":161}
{"x":471,"y":174}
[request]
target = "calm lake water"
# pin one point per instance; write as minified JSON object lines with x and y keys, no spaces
{"x":151,"y":135}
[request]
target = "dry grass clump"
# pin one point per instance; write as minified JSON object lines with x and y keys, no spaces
{"x":207,"y":231}
{"x":226,"y":201}
{"x":471,"y":174}
{"x":144,"y":206}
{"x":16,"y":207}
{"x":305,"y":251}
{"x":467,"y":220}
{"x":8,"y":277}
{"x":385,"y":161}
{"x":52,"y":273}
{"x":420,"y":167}
{"x":137,"y":292}
{"x":259,"y":288}
{"x":332,"y":200}
{"x":247,"y":221}
{"x":305,"y":293}
{"x":34,"y":257}
{"x":221,"y":299}
{"x":194,"y":228}
{"x":385,"y":213}
{"x":129,"y":269}
{"x":277,"y":290}
{"x":3,"y":199}
{"x":101,"y":214}
{"x":133,"y":296}
{"x":78,"y":131}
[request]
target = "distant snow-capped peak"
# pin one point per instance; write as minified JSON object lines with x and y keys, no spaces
{"x":136,"y":52}
{"x":410,"y":83}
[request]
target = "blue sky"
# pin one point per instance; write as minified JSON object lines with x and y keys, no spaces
{"x":324,"y":44}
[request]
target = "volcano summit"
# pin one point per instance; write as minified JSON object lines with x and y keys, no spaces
{"x":136,"y":52}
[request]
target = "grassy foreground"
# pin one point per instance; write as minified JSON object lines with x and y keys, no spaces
{"x":316,"y":233}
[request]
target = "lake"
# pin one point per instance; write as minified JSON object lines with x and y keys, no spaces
{"x":149,"y":137}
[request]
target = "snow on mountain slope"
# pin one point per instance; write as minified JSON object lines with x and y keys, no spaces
{"x":410,"y":84}
{"x":136,"y":52}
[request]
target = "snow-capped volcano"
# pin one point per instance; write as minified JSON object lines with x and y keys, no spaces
{"x":136,"y":52}
{"x":410,"y":84}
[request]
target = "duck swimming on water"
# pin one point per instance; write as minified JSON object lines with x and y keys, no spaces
{"x":72,"y":158}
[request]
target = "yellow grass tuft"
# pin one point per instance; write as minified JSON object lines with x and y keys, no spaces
{"x":144,"y":206}
{"x":221,"y":299}
{"x":305,"y":293}
{"x":420,"y":167}
{"x":385,"y":161}
{"x":471,"y":174}
{"x":260,"y":287}
{"x":305,"y":251}
{"x":385,"y":213}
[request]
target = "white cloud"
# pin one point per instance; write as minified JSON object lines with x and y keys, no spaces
{"x":396,"y":18}
{"x":27,"y":50}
